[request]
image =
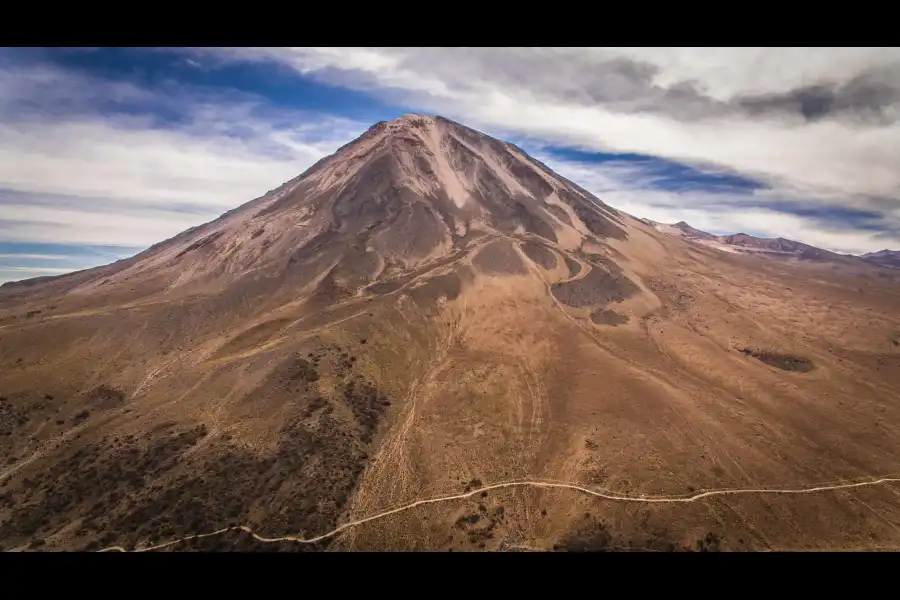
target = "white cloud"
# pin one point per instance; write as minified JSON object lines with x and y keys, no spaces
{"x":727,"y":72}
{"x":25,"y":256}
{"x":129,"y":226}
{"x":98,"y":158}
{"x":43,"y":270}
{"x":50,"y":91}
{"x":76,"y":176}
{"x":628,"y":187}
{"x":738,"y":109}
{"x":17,"y":273}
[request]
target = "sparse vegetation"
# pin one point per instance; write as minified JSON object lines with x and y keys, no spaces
{"x":91,"y":482}
{"x":116,"y":486}
{"x":600,"y":224}
{"x":540,"y":255}
{"x":608,"y":317}
{"x":448,"y":286}
{"x":595,"y":536}
{"x":368,"y":405}
{"x":473,"y":484}
{"x":710,"y":543}
{"x":785,"y":362}
{"x":499,"y":258}
{"x":596,"y":289}
{"x":104,"y":397}
{"x":205,"y":241}
{"x":305,"y":371}
{"x":480,"y":527}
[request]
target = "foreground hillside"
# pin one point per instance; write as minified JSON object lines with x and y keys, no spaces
{"x":432,"y":314}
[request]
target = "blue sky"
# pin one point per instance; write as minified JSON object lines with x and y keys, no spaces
{"x":104,"y":152}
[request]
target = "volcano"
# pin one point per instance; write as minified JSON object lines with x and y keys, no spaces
{"x":404,"y":195}
{"x":432,"y":314}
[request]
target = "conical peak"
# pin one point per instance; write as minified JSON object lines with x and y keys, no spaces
{"x":411,"y":122}
{"x":423,"y":127}
{"x":407,"y":120}
{"x":412,"y":119}
{"x":412,"y":189}
{"x":404,"y":124}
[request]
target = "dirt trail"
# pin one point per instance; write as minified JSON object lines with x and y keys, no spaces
{"x":605,"y":495}
{"x":54,"y":444}
{"x":391,"y":466}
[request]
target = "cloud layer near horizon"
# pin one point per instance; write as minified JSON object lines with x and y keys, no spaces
{"x":100,"y":160}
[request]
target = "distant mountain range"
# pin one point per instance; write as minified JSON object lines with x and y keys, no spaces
{"x":885,"y":258}
{"x":742,"y":243}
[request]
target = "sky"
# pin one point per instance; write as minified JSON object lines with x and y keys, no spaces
{"x":106,"y":151}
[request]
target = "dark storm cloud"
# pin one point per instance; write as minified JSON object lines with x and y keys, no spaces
{"x":871,"y":96}
{"x":618,"y":83}
{"x":631,"y":86}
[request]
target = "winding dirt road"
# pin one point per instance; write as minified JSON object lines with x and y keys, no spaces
{"x":605,"y":495}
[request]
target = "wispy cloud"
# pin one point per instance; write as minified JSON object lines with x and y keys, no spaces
{"x":723,"y":211}
{"x":38,"y":270}
{"x":818,"y":127}
{"x":87,"y":160}
{"x":213,"y":154}
{"x":24,"y":256}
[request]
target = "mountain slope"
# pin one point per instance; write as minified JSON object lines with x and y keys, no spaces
{"x":681,"y":229}
{"x":427,"y":312}
{"x":778,"y":248}
{"x":884,"y":258}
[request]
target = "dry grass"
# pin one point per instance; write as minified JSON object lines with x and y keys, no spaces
{"x":489,"y":379}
